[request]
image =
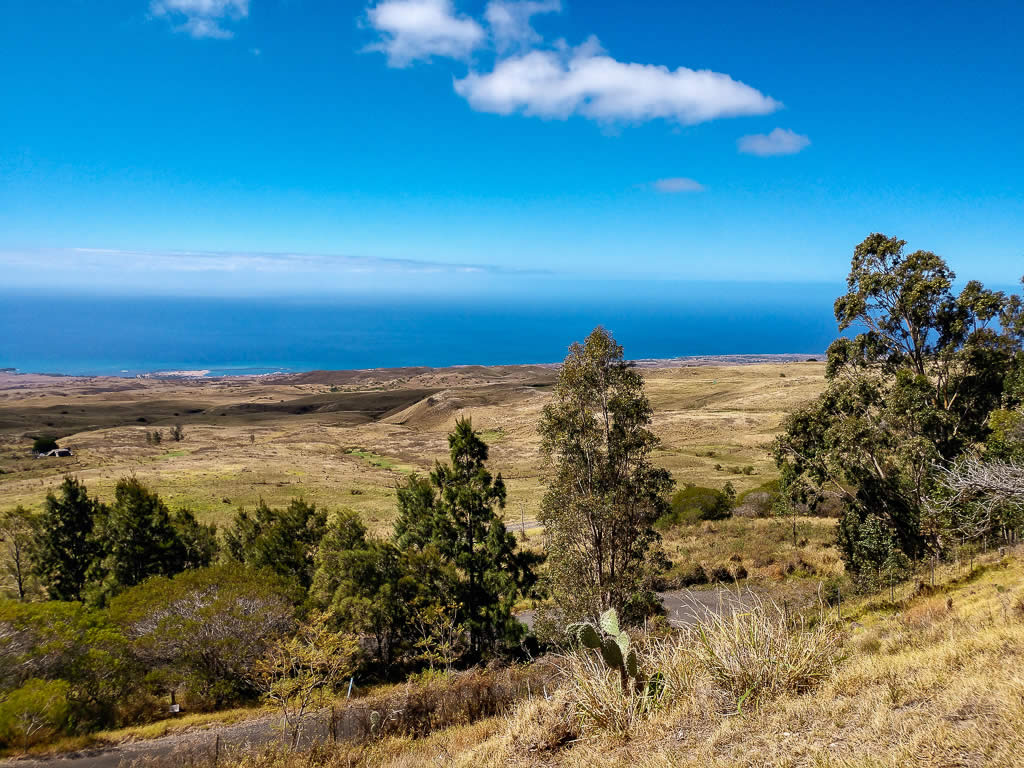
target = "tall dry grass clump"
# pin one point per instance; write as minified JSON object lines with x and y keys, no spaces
{"x":758,"y":652}
{"x":741,"y":654}
{"x":600,"y":702}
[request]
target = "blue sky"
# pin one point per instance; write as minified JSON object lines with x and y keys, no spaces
{"x":262,"y":146}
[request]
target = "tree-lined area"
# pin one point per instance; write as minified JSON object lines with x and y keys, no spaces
{"x":926,"y":382}
{"x":915,"y":449}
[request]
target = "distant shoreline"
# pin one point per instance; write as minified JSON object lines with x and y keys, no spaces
{"x":283,"y":374}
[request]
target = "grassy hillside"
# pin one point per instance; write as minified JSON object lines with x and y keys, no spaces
{"x":932,"y":679}
{"x":343,"y":439}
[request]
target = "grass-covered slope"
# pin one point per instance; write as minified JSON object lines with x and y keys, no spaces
{"x":935,"y":679}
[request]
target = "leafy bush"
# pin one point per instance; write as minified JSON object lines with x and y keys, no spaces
{"x":693,"y":503}
{"x":761,"y":501}
{"x":299,"y":672}
{"x":35,"y":712}
{"x":44,"y":444}
{"x":67,"y":642}
{"x":204,"y":630}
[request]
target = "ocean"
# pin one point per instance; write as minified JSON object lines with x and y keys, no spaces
{"x":127,"y":336}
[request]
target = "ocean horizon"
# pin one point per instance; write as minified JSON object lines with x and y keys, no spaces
{"x":130,"y":336}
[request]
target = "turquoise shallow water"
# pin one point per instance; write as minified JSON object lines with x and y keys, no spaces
{"x":127,"y":336}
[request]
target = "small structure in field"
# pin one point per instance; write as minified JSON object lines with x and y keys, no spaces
{"x":56,"y":453}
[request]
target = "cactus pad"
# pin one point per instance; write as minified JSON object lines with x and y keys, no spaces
{"x":610,"y":622}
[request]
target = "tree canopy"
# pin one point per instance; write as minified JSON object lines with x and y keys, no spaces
{"x":911,"y":389}
{"x":606,"y":494}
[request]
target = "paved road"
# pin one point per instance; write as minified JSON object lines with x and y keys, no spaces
{"x":685,"y":607}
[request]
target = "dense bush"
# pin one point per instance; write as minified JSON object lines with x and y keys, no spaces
{"x":204,"y":630}
{"x":71,"y":643}
{"x":762,"y":501}
{"x":35,"y":712}
{"x":44,"y":444}
{"x":693,"y":503}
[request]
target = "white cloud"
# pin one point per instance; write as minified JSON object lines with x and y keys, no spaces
{"x":781,"y":141}
{"x":588,"y":82}
{"x":420,"y":29}
{"x":509,"y":21}
{"x":202,"y":18}
{"x":678,"y":184}
{"x":232,"y":261}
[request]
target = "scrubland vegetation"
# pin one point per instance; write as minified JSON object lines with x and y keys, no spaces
{"x":863,"y":604}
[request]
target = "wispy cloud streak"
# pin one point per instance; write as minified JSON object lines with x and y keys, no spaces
{"x":236,"y":261}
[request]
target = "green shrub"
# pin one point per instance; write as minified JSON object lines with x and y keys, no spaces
{"x":44,"y":444}
{"x":204,"y":630}
{"x":67,"y":642}
{"x":761,"y":501}
{"x":693,"y":503}
{"x":35,"y":712}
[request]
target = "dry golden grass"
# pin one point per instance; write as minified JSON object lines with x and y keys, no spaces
{"x":763,"y":546}
{"x":245,"y":439}
{"x":939,"y":682}
{"x":934,"y":680}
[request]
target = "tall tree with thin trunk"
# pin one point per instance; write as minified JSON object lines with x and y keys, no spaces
{"x":606,"y":494}
{"x":17,"y":529}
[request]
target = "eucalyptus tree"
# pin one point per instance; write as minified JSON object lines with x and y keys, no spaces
{"x":606,"y":493}
{"x":908,"y":390}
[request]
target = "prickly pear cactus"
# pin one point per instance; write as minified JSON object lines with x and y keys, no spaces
{"x":612,"y":642}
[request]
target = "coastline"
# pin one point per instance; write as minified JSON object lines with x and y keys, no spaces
{"x":284,"y":374}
